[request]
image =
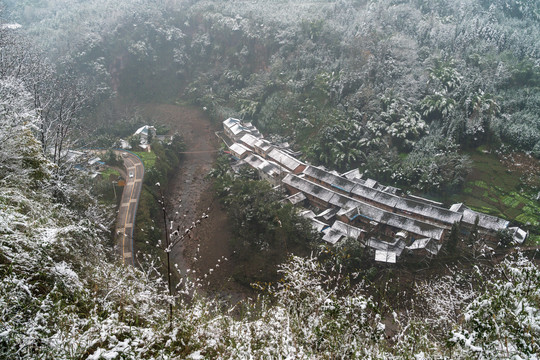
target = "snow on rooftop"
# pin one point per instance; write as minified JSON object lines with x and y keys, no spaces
{"x":385,"y":198}
{"x":331,"y":236}
{"x":93,"y":161}
{"x":308,"y":187}
{"x":371,"y":183}
{"x":285,"y":159}
{"x":396,"y":247}
{"x":459,"y":207}
{"x":365,"y":210}
{"x":144,"y":130}
{"x":518,"y":235}
{"x":239,"y":149}
{"x":385,"y":256}
{"x":317,"y":225}
{"x":419,"y":244}
{"x":352,"y":174}
{"x":430,"y":245}
{"x":347,"y":230}
{"x":424,"y":200}
{"x":263,"y":145}
{"x":328,"y":213}
{"x":249,"y":140}
{"x":296,"y":198}
{"x":485,"y":221}
{"x":429,"y":211}
{"x":307,"y":214}
{"x":230,"y":122}
{"x":237,"y":129}
{"x":254,"y":160}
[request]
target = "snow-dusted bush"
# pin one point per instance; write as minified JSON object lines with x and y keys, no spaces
{"x":503,"y":321}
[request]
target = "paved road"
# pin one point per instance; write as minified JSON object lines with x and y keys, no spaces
{"x":128,"y":205}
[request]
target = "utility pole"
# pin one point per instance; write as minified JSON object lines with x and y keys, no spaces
{"x":114,"y":189}
{"x":167,"y":253}
{"x":173,"y":238}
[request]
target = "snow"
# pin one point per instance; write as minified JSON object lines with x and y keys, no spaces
{"x":196,"y":356}
{"x":13,"y":26}
{"x":385,"y":256}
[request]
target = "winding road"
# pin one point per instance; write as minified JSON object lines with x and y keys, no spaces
{"x":128,"y":205}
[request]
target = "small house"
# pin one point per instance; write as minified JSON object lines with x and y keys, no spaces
{"x":145,"y":133}
{"x":239,"y":151}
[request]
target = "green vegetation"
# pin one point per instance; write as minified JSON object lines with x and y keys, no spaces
{"x":372,"y":79}
{"x":105,"y":187}
{"x":159,"y":166}
{"x":149,"y":224}
{"x":265,"y":231}
{"x":162,"y":161}
{"x":534,"y":239}
{"x":492,"y":188}
{"x":148,"y":158}
{"x":110,"y":172}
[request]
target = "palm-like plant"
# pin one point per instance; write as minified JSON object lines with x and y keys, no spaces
{"x":340,"y":145}
{"x":482,"y":104}
{"x":445,"y":74}
{"x":438,"y":105}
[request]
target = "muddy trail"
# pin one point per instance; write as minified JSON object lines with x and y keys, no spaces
{"x":207,"y":251}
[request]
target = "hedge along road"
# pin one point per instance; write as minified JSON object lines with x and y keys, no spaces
{"x":127,"y":211}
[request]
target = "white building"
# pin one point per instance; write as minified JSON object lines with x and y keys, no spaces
{"x":144,"y":132}
{"x":235,"y":129}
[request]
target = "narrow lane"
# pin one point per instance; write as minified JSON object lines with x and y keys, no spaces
{"x":127,"y":211}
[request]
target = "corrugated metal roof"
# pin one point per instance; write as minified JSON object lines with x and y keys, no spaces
{"x":263,"y":145}
{"x":308,"y":187}
{"x":237,"y":129}
{"x":365,"y":191}
{"x":230,"y":122}
{"x":249,"y":140}
{"x":254,"y":160}
{"x":485,"y":221}
{"x":395,"y":247}
{"x":427,"y":244}
{"x":518,"y":235}
{"x":332,"y":236}
{"x":385,"y":256}
{"x":296,"y":198}
{"x":352,"y":174}
{"x":347,"y":230}
{"x":239,"y":148}
{"x":366,"y":210}
{"x":284,"y":159}
{"x":429,"y":211}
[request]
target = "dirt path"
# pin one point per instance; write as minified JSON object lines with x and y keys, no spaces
{"x":208,"y":251}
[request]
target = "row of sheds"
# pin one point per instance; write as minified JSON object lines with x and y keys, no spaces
{"x":425,"y":230}
{"x":356,"y":201}
{"x":272,"y":162}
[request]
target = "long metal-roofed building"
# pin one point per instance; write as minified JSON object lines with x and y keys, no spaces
{"x":485,"y":221}
{"x":354,"y":211}
{"x":385,"y":200}
{"x":357,"y":202}
{"x":288,"y":161}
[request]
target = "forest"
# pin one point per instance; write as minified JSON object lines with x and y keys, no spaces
{"x":439,"y":98}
